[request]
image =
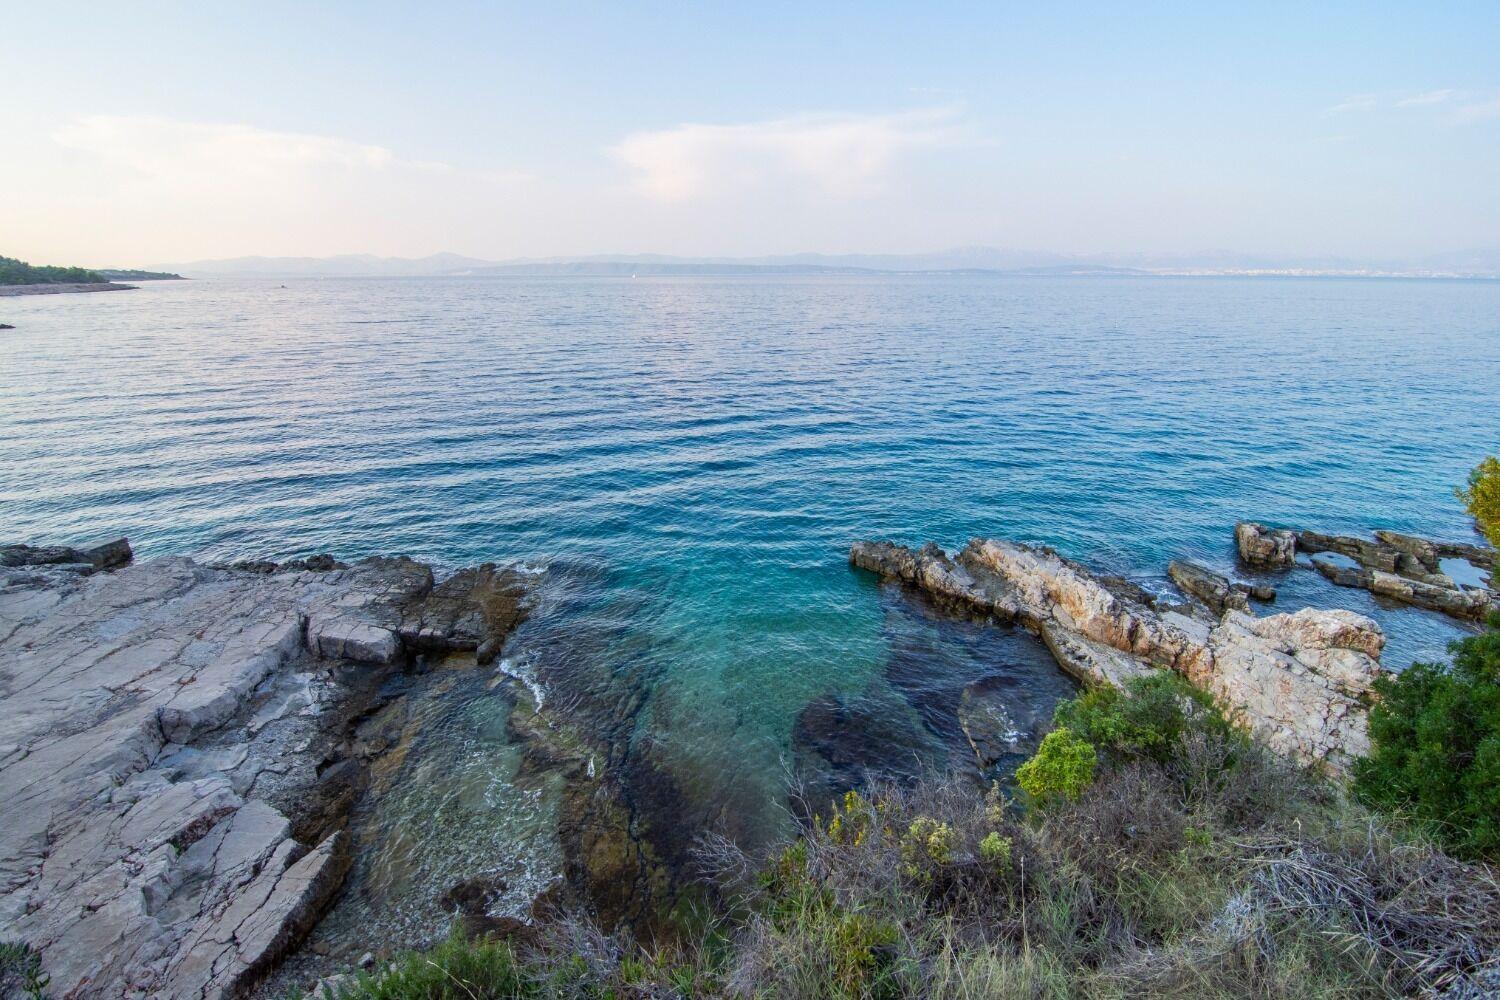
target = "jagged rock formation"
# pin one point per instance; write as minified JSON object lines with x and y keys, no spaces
{"x":1266,"y":547}
{"x":1217,"y":591}
{"x":1297,"y":681}
{"x":1400,"y":567}
{"x":170,"y":765}
{"x":65,"y":558}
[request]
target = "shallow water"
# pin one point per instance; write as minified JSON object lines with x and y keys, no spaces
{"x":701,"y":452}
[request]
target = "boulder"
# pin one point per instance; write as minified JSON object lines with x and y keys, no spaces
{"x":1209,"y":587}
{"x":1420,"y":549}
{"x":1265,"y":547}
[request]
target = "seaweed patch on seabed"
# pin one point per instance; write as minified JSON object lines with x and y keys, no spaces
{"x":625,"y":826}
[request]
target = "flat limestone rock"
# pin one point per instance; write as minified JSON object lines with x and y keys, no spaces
{"x":1459,"y":602}
{"x":1298,"y":681}
{"x":148,"y":710}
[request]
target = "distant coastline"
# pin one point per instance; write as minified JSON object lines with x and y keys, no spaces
{"x":978,"y":261}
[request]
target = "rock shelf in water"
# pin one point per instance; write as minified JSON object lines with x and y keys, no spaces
{"x":1299,"y":682}
{"x":1400,"y":567}
{"x":175,"y":765}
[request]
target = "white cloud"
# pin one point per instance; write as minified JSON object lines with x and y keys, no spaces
{"x":214,"y":189}
{"x":197,"y":154}
{"x":1360,"y":102}
{"x":1381,"y":102}
{"x":1430,"y":97}
{"x":841,"y":155}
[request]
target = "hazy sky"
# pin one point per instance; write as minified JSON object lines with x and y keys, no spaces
{"x":145,"y":133}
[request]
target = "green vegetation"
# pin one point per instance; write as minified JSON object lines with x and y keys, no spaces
{"x":1482,"y":498}
{"x":1147,"y":721}
{"x":1181,"y":860}
{"x":1062,"y":767}
{"x":1435,"y":732}
{"x":21,"y":972}
{"x":117,"y":274}
{"x":18,"y":272}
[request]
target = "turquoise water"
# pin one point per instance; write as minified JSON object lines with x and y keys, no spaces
{"x":695,"y":456}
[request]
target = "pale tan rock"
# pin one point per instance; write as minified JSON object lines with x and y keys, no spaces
{"x":1262,"y":546}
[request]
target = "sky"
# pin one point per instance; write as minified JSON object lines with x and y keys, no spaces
{"x":150,"y":133}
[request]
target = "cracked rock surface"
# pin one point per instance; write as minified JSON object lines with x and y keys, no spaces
{"x":167,"y":832}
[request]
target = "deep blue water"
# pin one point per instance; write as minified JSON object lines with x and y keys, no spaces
{"x":701,"y":452}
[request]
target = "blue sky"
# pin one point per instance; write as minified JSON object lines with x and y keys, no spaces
{"x":173,"y":131}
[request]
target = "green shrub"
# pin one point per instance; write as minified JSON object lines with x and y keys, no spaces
{"x":1061,"y":768}
{"x":1146,"y":720}
{"x":1435,"y":733}
{"x":996,"y":849}
{"x":861,"y":951}
{"x":1482,"y":498}
{"x":927,"y":844}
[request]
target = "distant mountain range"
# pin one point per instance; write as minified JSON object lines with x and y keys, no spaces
{"x":1481,"y":263}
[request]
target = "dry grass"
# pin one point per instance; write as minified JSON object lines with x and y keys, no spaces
{"x":1218,"y":873}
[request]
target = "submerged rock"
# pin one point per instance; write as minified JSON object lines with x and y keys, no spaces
{"x":987,"y":722}
{"x":171,"y":767}
{"x":1296,"y":681}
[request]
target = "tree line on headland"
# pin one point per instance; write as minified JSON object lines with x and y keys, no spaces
{"x":18,"y":272}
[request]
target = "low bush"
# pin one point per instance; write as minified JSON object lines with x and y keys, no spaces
{"x":1435,"y":735}
{"x":1061,"y":768}
{"x":21,"y":972}
{"x":1146,"y":720}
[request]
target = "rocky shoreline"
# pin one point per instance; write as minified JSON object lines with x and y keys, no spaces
{"x":196,"y":756}
{"x":1298,"y":681}
{"x":180,"y":750}
{"x":61,"y":287}
{"x":1301,"y":682}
